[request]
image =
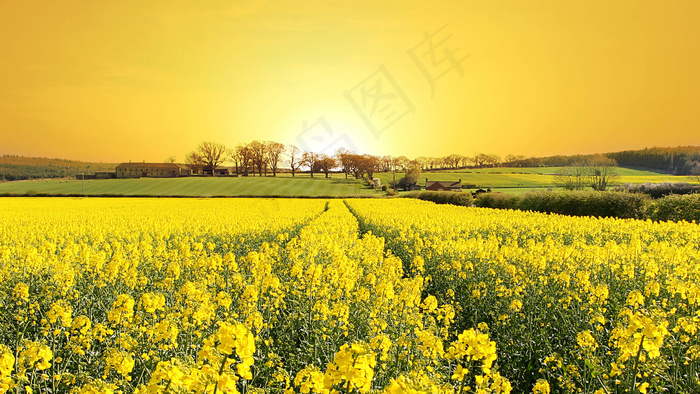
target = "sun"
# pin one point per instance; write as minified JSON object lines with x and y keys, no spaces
{"x":326,"y":126}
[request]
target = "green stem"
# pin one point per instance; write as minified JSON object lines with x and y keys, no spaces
{"x":221,"y":371}
{"x":464,"y":378}
{"x":636,"y":363}
{"x":461,"y":384}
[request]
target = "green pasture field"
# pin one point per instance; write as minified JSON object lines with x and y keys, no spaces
{"x":282,"y":186}
{"x":508,"y":180}
{"x":525,"y":179}
{"x":622,"y":171}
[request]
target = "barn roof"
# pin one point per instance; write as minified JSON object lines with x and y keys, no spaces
{"x":446,"y":184}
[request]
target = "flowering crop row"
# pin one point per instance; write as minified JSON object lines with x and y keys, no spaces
{"x":211,"y":296}
{"x":573,"y":304}
{"x":102,"y":290}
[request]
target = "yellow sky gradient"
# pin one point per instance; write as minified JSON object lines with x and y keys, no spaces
{"x":145,"y":80}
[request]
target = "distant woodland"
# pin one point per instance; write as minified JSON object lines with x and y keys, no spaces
{"x":682,"y":160}
{"x":15,"y":168}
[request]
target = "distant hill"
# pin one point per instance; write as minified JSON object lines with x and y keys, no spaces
{"x":681,"y":160}
{"x":14,"y":168}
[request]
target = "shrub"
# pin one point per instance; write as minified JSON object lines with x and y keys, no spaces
{"x":658,"y":190}
{"x":573,"y":203}
{"x":391,"y":192}
{"x":406,"y":183}
{"x":497,"y":200}
{"x":676,"y":208}
{"x":454,"y":198}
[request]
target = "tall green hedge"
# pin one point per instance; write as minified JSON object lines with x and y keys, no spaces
{"x":676,"y":207}
{"x":574,"y":203}
{"x":443,"y":197}
{"x":580,"y":203}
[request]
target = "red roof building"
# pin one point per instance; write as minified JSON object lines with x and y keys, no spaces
{"x":443,"y":185}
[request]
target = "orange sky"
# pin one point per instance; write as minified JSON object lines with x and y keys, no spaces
{"x":145,"y":80}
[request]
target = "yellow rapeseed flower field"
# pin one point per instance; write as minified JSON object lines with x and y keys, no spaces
{"x":315,"y":296}
{"x":573,"y":304}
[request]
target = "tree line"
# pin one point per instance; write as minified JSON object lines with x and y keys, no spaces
{"x":263,"y":157}
{"x":681,"y":160}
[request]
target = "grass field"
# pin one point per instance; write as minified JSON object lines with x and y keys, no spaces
{"x":282,"y":186}
{"x":524,"y":179}
{"x":508,"y":180}
{"x":623,"y":171}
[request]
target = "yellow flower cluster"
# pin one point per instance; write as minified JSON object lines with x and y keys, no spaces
{"x":311,"y":380}
{"x":7,"y":365}
{"x":33,"y":356}
{"x":352,"y":368}
{"x":472,"y":345}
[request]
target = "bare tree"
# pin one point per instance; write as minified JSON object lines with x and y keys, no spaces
{"x":602,"y":173}
{"x":212,"y":154}
{"x":493,"y":160}
{"x":446,"y":162}
{"x":325,"y":163}
{"x":195,"y":161}
{"x":258,"y":153}
{"x":171,"y":159}
{"x":513,"y":159}
{"x":467,"y":161}
{"x":240,"y":156}
{"x":295,"y":159}
{"x":573,"y":177}
{"x":309,"y":160}
{"x":598,"y":173}
{"x":274,"y":151}
{"x":421,"y":160}
{"x":455,"y":160}
{"x":231,"y":154}
{"x":356,"y":165}
{"x":386,"y":163}
{"x":481,"y":159}
{"x":370,"y":164}
{"x":402,"y":162}
{"x":344,"y":159}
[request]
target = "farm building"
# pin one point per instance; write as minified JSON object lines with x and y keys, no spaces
{"x":185,"y":169}
{"x":152,"y":170}
{"x":218,"y":171}
{"x":443,"y":185}
{"x":100,"y":174}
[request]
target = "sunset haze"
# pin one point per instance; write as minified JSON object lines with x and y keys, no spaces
{"x":133,"y":80}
